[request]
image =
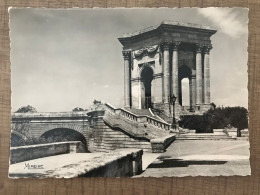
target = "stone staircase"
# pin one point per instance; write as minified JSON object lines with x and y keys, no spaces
{"x":139,"y":126}
{"x":145,"y":112}
{"x":160,"y":114}
{"x":203,"y":136}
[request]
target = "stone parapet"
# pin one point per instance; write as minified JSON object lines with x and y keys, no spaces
{"x":118,"y":163}
{"x":25,"y":153}
{"x":159,"y":145}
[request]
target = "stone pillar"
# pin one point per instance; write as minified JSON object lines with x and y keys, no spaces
{"x":190,"y":91}
{"x":193,"y":90}
{"x":206,"y":74}
{"x":175,"y":76}
{"x":166,"y":72}
{"x":198,"y":75}
{"x":127,"y":57}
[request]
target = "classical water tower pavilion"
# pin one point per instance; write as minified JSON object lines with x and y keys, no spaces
{"x":156,"y":59}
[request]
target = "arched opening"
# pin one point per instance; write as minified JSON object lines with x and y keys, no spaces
{"x":62,"y":135}
{"x":184,"y":85}
{"x":146,"y":78}
{"x":185,"y":92}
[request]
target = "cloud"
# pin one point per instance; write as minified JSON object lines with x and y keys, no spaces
{"x":227,"y":20}
{"x":106,"y":86}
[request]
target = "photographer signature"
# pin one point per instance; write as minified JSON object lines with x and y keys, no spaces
{"x":30,"y":166}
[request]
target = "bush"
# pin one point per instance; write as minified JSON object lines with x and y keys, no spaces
{"x":77,"y":109}
{"x":26,"y":109}
{"x":201,"y":123}
{"x":218,"y":118}
{"x":230,"y":116}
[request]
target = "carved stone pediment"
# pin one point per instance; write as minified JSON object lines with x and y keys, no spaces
{"x":139,"y":53}
{"x":145,"y":51}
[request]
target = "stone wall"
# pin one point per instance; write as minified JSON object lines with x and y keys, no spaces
{"x":160,"y":145}
{"x":122,"y":163}
{"x":24,"y":153}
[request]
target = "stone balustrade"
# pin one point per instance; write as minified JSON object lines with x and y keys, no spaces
{"x":140,"y":119}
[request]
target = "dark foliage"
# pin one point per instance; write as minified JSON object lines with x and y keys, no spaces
{"x":26,"y":109}
{"x":202,"y":124}
{"x":77,"y":109}
{"x":219,"y":118}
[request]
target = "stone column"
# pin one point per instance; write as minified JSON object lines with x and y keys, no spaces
{"x":207,"y":74}
{"x":190,"y":91}
{"x":175,"y":76}
{"x":198,"y":74}
{"x":127,"y":98}
{"x":193,"y":90}
{"x":166,"y":72}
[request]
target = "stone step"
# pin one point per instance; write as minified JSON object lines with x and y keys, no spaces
{"x":205,"y":138}
{"x":181,"y":135}
{"x":139,"y":112}
{"x":205,"y":134}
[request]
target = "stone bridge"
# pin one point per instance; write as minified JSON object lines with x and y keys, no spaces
{"x":26,"y":125}
{"x":101,"y":128}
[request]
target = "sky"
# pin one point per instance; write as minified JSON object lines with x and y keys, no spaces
{"x":66,"y":58}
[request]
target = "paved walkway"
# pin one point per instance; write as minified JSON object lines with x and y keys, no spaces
{"x":201,"y":157}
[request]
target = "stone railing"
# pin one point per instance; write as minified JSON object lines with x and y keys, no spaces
{"x":30,"y":152}
{"x":128,"y":126}
{"x":49,"y":115}
{"x":159,"y":145}
{"x":140,"y":119}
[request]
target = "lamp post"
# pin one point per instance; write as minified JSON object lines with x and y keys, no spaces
{"x":172,"y":102}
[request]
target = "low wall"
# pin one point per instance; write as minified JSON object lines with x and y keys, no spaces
{"x":159,"y":145}
{"x":244,"y":133}
{"x":119,"y":163}
{"x":24,"y":153}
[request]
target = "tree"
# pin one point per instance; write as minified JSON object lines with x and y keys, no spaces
{"x":213,"y":105}
{"x":77,"y":109}
{"x":26,"y":109}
